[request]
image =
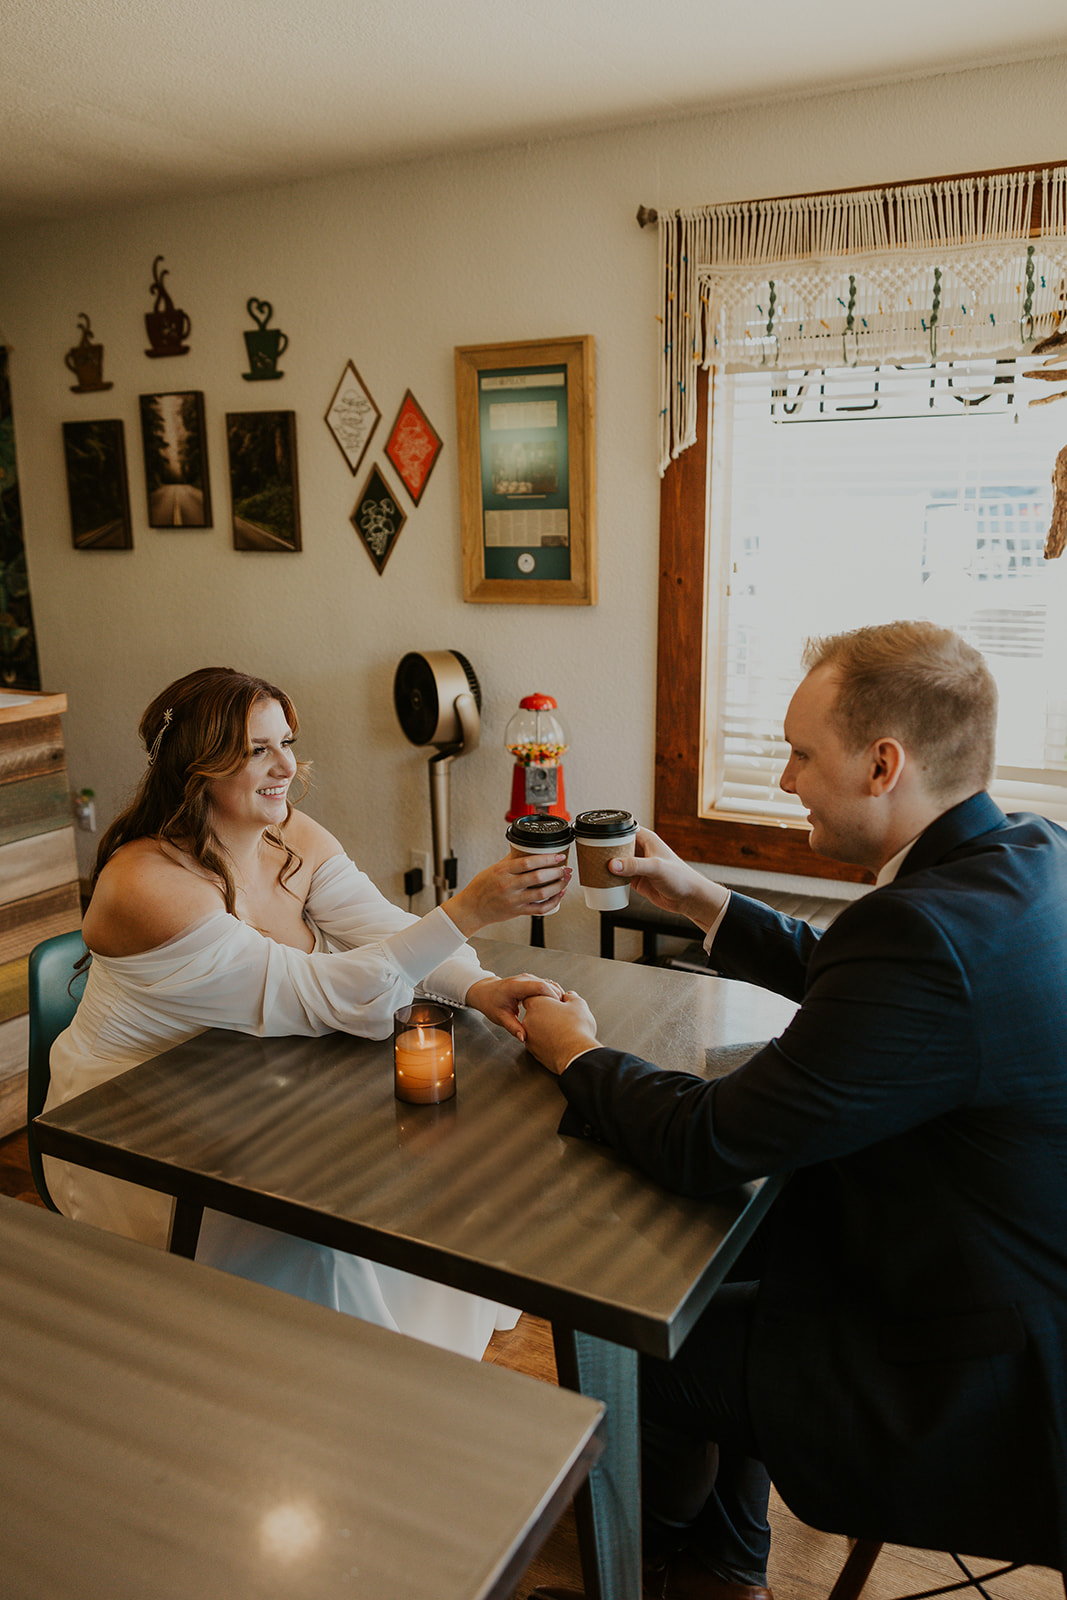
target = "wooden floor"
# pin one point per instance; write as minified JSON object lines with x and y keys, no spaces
{"x":804,"y":1563}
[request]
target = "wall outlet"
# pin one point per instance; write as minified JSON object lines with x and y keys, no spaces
{"x":85,"y":810}
{"x":424,"y":861}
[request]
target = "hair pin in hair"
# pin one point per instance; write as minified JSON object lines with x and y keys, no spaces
{"x":167,"y":715}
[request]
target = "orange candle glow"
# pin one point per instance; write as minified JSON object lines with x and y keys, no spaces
{"x":424,"y":1065}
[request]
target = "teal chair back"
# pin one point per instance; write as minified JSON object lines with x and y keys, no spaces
{"x":53,"y":1001}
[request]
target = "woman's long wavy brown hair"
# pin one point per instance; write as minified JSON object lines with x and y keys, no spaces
{"x":198,"y":727}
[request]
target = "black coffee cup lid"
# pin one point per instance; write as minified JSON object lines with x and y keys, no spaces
{"x":603,"y":824}
{"x":538,"y":828}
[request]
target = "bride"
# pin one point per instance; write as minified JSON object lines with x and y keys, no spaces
{"x":217,"y":904}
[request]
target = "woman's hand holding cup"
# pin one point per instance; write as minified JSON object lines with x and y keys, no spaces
{"x":543,"y":835}
{"x":517,"y":886}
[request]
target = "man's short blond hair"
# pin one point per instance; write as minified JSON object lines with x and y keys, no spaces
{"x":920,"y":684}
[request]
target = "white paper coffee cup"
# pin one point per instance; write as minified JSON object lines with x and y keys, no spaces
{"x":601,"y":837}
{"x":540,"y":835}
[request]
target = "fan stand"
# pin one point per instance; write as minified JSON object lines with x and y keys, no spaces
{"x":445,"y":870}
{"x":445,"y":866}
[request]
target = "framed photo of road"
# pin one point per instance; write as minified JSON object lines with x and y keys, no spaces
{"x":263,"y":479}
{"x":175,"y":460}
{"x":95,"y":454}
{"x":527,"y":481}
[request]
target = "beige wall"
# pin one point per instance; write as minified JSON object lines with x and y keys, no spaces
{"x":391,"y":268}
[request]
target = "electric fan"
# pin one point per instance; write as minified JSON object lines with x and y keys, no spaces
{"x":438,"y":701}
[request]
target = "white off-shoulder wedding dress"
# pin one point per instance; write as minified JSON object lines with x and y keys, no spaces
{"x":221,"y":973}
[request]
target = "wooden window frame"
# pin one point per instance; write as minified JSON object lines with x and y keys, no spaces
{"x":771,"y":846}
{"x":723,"y":841}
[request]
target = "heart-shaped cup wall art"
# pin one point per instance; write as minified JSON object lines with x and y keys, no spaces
{"x":265,"y":345}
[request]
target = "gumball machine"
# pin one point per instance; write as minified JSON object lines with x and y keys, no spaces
{"x":536,"y":739}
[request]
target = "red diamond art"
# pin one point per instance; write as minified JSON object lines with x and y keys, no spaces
{"x":413,"y":447}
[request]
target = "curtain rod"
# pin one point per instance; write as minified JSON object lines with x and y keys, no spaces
{"x":648,"y":215}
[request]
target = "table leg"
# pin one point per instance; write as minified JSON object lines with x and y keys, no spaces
{"x":185,"y":1228}
{"x":607,"y":1508}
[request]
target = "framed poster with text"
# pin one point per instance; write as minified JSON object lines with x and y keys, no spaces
{"x":525,"y":421}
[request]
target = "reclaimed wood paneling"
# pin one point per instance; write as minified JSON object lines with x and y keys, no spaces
{"x":14,"y":988}
{"x":14,"y":1049}
{"x":24,"y":923}
{"x":39,"y":890}
{"x":32,"y":866}
{"x":31,"y":749}
{"x":33,"y":806}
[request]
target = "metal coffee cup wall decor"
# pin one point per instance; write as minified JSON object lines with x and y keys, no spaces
{"x":168,"y":327}
{"x":86,"y":360}
{"x":264,"y":345}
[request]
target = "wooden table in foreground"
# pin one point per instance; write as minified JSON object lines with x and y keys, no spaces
{"x":175,"y":1432}
{"x":304,"y":1135}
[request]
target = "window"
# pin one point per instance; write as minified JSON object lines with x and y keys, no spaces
{"x":856,"y":474}
{"x":854,"y":496}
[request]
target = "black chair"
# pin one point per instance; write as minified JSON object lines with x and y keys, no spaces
{"x":650,"y":922}
{"x":54,"y":991}
{"x":864,"y":1553}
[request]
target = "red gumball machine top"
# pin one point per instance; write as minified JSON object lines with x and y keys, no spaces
{"x":536,"y":739}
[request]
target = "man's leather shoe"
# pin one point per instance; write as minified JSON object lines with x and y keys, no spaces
{"x":686,"y":1578}
{"x":683,"y":1578}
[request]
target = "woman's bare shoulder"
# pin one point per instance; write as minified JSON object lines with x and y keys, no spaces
{"x":313,"y":843}
{"x":147,"y":894}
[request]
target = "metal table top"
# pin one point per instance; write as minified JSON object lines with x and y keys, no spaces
{"x":482,"y":1193}
{"x":167,"y":1430}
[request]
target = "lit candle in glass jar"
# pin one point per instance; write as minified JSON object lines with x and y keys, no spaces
{"x":422,"y":1054}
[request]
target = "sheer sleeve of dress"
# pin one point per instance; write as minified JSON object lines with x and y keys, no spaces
{"x":223,"y":974}
{"x":346,"y":907}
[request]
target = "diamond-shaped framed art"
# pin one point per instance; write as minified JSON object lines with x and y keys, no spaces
{"x":377,"y":518}
{"x":413,"y":446}
{"x":352,"y":417}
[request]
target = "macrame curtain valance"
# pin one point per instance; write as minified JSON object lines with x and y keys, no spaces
{"x":922,"y":272}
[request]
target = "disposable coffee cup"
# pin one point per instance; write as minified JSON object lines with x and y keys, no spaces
{"x":600,"y":837}
{"x":540,"y":835}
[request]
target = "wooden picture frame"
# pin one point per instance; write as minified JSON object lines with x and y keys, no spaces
{"x":527,"y":475}
{"x":264,"y":489}
{"x":174,"y":442}
{"x":352,"y":417}
{"x":97,"y":485}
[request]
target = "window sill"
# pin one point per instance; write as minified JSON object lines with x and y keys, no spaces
{"x":771,"y":847}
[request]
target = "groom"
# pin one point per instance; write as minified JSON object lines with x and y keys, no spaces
{"x":895,"y":1355}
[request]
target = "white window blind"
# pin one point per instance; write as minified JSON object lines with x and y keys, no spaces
{"x":860,"y":495}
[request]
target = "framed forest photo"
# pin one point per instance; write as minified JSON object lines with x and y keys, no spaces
{"x":175,"y":460}
{"x":263,"y":480}
{"x":97,"y":485}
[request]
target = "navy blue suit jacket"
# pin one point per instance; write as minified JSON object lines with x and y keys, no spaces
{"x":908,"y":1363}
